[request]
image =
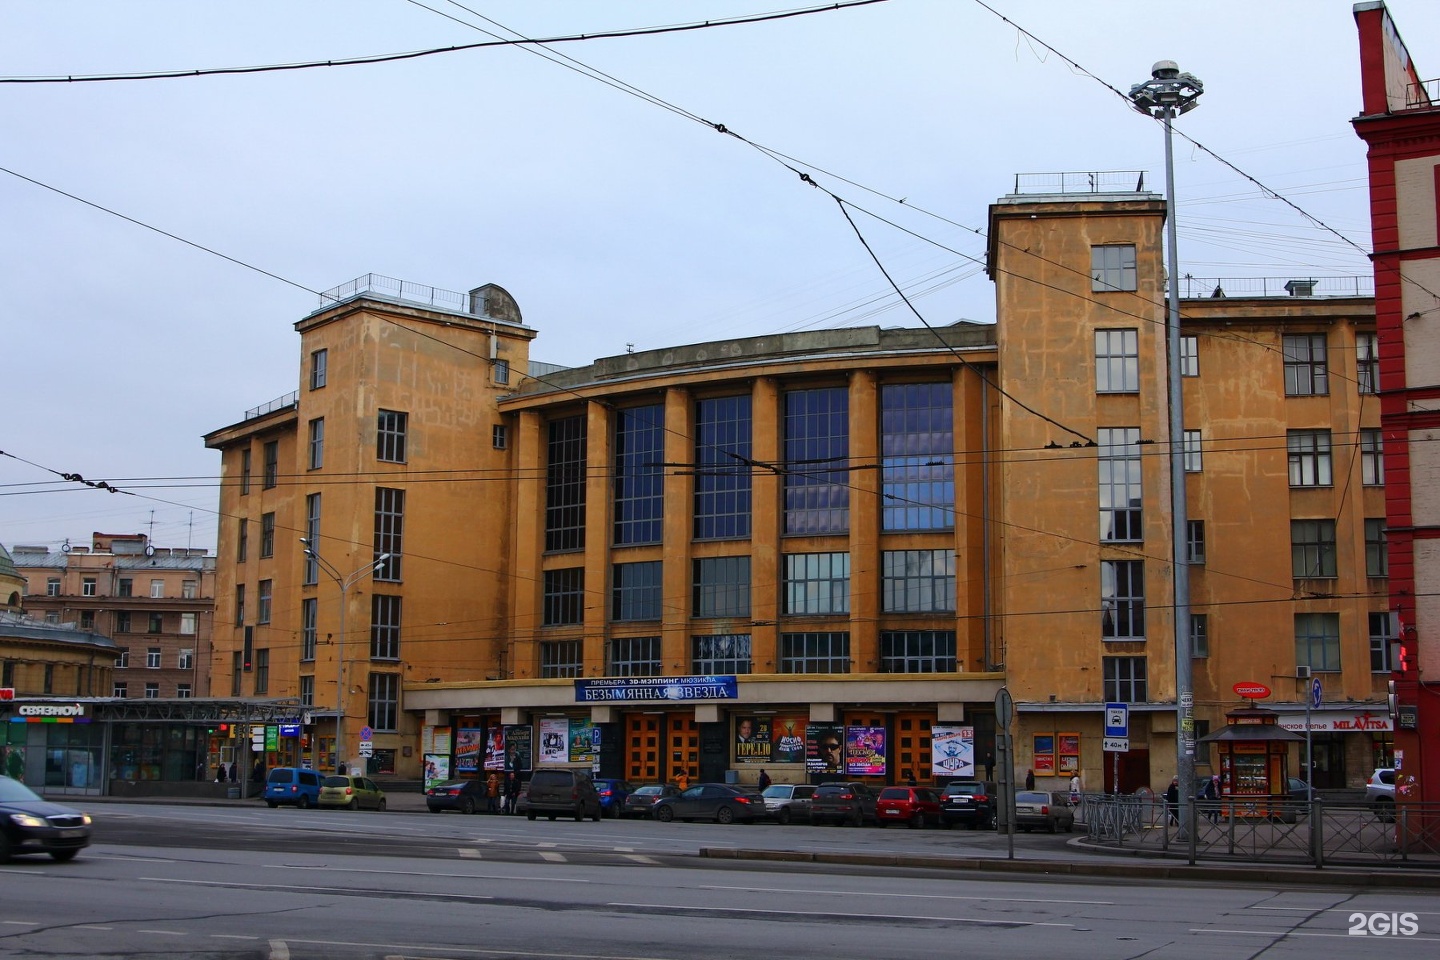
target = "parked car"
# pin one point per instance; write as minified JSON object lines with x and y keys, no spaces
{"x":467,"y":796}
{"x":522,"y":799}
{"x":31,"y":824}
{"x":1380,"y":793}
{"x":840,"y":803}
{"x":612,"y":796}
{"x":785,"y":802}
{"x":971,"y":802}
{"x":567,"y":792}
{"x":912,"y":806}
{"x":642,"y":800}
{"x":352,"y":793}
{"x":721,"y":802}
{"x":292,"y":785}
{"x":1035,"y":808}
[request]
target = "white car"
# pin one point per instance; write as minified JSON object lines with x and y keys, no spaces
{"x":1380,"y":793}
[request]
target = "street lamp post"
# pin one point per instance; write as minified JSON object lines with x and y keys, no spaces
{"x":1166,"y":95}
{"x":344,"y":583}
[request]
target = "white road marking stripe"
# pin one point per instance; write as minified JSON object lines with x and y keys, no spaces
{"x":1309,"y":933}
{"x":469,"y":853}
{"x":279,"y":950}
{"x":412,"y":873}
{"x":231,"y":936}
{"x":91,"y":927}
{"x":852,"y":916}
{"x":553,"y":857}
{"x":641,"y":858}
{"x":869,"y":894}
{"x":19,"y":923}
{"x":165,"y":933}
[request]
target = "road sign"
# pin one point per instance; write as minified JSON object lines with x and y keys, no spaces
{"x":1115,"y":745}
{"x":1317,"y":693}
{"x":1117,"y":720}
{"x":367,"y":749}
{"x":1004,"y":707}
{"x":366,"y":734}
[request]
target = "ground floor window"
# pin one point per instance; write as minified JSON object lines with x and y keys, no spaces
{"x":159,"y":751}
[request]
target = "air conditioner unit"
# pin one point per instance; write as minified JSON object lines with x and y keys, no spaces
{"x":1302,"y":673}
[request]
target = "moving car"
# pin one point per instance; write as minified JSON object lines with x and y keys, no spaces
{"x":912,"y":806}
{"x":788,"y":801}
{"x":352,"y":793}
{"x":467,"y":796}
{"x":971,"y":802}
{"x":721,"y":802}
{"x":292,"y":785}
{"x":842,"y":802}
{"x":567,"y":792}
{"x":1035,"y":808}
{"x":31,"y":824}
{"x":612,"y":796}
{"x":1380,"y":793}
{"x":641,"y":801}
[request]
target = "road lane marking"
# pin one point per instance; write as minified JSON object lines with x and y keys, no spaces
{"x":552,"y":857}
{"x":165,"y":933}
{"x":232,"y":936}
{"x":469,"y":853}
{"x":357,"y":891}
{"x":20,"y":923}
{"x":1349,"y":909}
{"x":750,"y":911}
{"x":92,"y":927}
{"x":279,"y":950}
{"x":420,"y":873}
{"x":1309,"y":933}
{"x":641,"y":858}
{"x":870,"y":894}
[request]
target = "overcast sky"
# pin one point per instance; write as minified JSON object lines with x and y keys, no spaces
{"x":612,"y":220}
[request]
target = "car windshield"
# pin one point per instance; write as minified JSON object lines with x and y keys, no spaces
{"x":958,"y":789}
{"x":13,"y":791}
{"x":647,"y":791}
{"x":778,"y":790}
{"x":1027,"y":797}
{"x":336,"y":782}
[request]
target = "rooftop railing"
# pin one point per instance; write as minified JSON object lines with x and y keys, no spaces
{"x":1201,"y":287}
{"x":1422,"y":94}
{"x":290,"y":399}
{"x":397,"y":290}
{"x":1086,"y":181}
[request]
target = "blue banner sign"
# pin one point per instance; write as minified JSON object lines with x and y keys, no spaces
{"x":655,"y":689}
{"x":289,"y":729}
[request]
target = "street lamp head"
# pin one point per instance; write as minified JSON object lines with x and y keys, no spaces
{"x":1168,"y":92}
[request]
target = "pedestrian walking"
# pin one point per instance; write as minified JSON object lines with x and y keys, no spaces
{"x":1172,"y":802}
{"x":764,"y":781}
{"x":221,"y":775}
{"x":1029,"y":779}
{"x":1075,"y":790}
{"x":1210,"y":797}
{"x":682,"y":780}
{"x":512,"y":791}
{"x":492,"y":793}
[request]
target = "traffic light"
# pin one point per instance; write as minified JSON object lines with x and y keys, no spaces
{"x":226,"y":730}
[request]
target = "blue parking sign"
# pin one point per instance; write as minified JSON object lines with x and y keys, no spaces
{"x":1117,"y":720}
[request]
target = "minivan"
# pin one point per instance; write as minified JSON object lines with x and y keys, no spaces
{"x":297,"y":785}
{"x":563,"y":792}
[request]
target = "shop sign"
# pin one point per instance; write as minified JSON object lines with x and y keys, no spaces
{"x":1363,"y":722}
{"x":1251,"y":690}
{"x":655,"y":689}
{"x":51,"y":710}
{"x":289,"y":729}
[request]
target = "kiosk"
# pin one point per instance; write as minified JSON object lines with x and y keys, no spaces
{"x":1254,"y":753}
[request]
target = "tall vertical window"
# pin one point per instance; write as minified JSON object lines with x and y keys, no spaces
{"x":1317,"y":641}
{"x":239,"y":604}
{"x":390,"y":427}
{"x":311,"y":572}
{"x":1306,"y":371}
{"x":122,"y":621}
{"x":189,"y":589}
{"x":1125,"y":680}
{"x":639,"y":483}
{"x":157,"y":589}
{"x":272,"y":465}
{"x":1312,"y":548}
{"x":189,"y":622}
{"x":722,"y":468}
{"x":267,"y":535}
{"x":1377,"y":559}
{"x":1117,"y":361}
{"x":389,"y":531}
{"x":244,"y":471}
{"x":1195,"y":541}
{"x":1189,"y":356}
{"x":564,"y":597}
{"x":817,"y":584}
{"x":720,"y":653}
{"x":565,"y":484}
{"x":127,"y":587}
{"x":235,"y":673}
{"x":1367,"y":362}
{"x":152,"y":691}
{"x":1112,"y":267}
{"x":52,"y":586}
{"x":319,"y":360}
{"x":88,"y":586}
{"x":153,"y":658}
{"x":501,"y":371}
{"x":634,"y":657}
{"x":917,"y":581}
{"x":917,"y":651}
{"x":122,"y":659}
{"x":817,"y":451}
{"x":499,"y":436}
{"x":636,"y":591}
{"x":1122,"y":599}
{"x":186,"y":660}
{"x":1121,"y":494}
{"x":1309,"y":456}
{"x":263,"y":600}
{"x":87,"y":619}
{"x":307,"y":690}
{"x":1372,"y":458}
{"x":827,"y":652}
{"x":917,"y":450}
{"x":721,"y":587}
{"x":242,"y":540}
{"x":1382,"y":641}
{"x":382,"y":708}
{"x":1193,"y":461}
{"x":309,"y":624}
{"x":317,"y":443}
{"x":561,"y":658}
{"x":120,"y":690}
{"x":1199,"y":635}
{"x":157,"y":623}
{"x":384,"y":627}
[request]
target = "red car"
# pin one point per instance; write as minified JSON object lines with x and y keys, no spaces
{"x":912,"y":806}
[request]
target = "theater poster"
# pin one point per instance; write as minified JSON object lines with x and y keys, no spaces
{"x":952,"y":751}
{"x":865,"y":751}
{"x":468,"y":744}
{"x":554,"y":740}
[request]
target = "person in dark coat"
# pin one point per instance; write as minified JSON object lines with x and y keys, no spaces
{"x":763,"y":782}
{"x":221,"y":774}
{"x":1172,"y":801}
{"x":257,"y":775}
{"x":1029,"y":779}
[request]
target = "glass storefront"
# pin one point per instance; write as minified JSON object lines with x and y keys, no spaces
{"x":156,"y":751}
{"x":73,"y":755}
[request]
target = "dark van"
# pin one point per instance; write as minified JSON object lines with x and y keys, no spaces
{"x":563,"y":793}
{"x":297,"y":785}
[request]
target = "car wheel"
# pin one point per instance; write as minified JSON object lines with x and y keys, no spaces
{"x":467,"y":806}
{"x":857,"y":820}
{"x":580,"y":813}
{"x":725,"y":815}
{"x":665,"y":814}
{"x":783,"y":816}
{"x":597,"y":814}
{"x":529,"y":814}
{"x":380,"y":807}
{"x":354,"y":804}
{"x":63,"y":855}
{"x":4,"y":849}
{"x":304,"y":802}
{"x":1050,"y":826}
{"x":271,"y":804}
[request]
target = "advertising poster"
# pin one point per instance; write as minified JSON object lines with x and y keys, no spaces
{"x":952,"y":751}
{"x":824,"y":749}
{"x":554,"y":740}
{"x":518,"y":755}
{"x":865,"y":751}
{"x":583,"y":748}
{"x":787,"y":738}
{"x":443,"y":743}
{"x":752,"y":740}
{"x":437,"y":769}
{"x":495,"y":748}
{"x":467,"y":749}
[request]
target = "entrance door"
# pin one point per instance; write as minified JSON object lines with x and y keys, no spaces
{"x":1134,"y":771}
{"x":659,"y":745}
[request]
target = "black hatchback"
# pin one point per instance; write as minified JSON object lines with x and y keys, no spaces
{"x":31,"y":824}
{"x":971,"y":802}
